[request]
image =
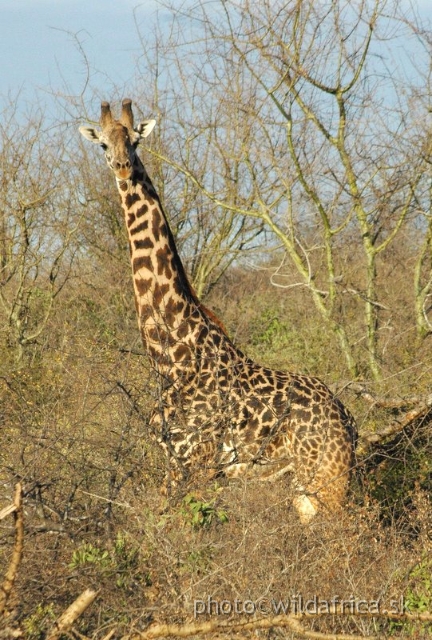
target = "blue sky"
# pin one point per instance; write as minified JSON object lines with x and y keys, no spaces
{"x":38,"y":43}
{"x":39,"y":53}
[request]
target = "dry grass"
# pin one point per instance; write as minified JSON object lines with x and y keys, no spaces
{"x":75,"y":432}
{"x":154,"y":562}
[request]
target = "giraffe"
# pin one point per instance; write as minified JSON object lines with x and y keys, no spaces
{"x":219,"y":413}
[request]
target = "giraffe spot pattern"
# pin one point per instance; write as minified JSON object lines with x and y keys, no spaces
{"x":220,"y":412}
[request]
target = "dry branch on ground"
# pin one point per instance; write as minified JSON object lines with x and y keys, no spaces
{"x":11,"y":573}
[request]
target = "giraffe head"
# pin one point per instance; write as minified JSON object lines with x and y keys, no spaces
{"x":119,"y":138}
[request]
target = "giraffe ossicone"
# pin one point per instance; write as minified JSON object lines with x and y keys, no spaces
{"x":218,"y":412}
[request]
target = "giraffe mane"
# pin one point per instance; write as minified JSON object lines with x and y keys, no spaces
{"x":211,"y":314}
{"x":189,"y":288}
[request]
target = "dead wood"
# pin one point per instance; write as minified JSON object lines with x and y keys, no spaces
{"x":11,"y":573}
{"x":72,"y":613}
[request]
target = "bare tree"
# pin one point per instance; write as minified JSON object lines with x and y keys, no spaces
{"x":298,"y":116}
{"x":192,"y":157}
{"x":37,"y":224}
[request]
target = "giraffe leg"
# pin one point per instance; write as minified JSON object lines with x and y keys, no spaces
{"x":306,"y":508}
{"x":333,"y":494}
{"x":324,"y":494}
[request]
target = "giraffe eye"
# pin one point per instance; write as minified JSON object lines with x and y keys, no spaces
{"x":104,"y":146}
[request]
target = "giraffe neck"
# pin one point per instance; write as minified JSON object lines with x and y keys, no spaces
{"x":171,"y":319}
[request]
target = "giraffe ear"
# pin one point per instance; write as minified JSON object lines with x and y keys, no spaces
{"x":90,"y":133}
{"x":145,"y":128}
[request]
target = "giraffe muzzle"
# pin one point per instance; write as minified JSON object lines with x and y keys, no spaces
{"x":123,"y":170}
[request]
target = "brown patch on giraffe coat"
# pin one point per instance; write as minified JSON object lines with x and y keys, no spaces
{"x":158,"y":334}
{"x":266,"y":389}
{"x":139,"y":228}
{"x":163,"y":229}
{"x":143,"y":285}
{"x":180,"y":289}
{"x":182,"y":352}
{"x":164,"y":263}
{"x":173,"y":309}
{"x":145,"y":312}
{"x":141,"y":262}
{"x":267,"y":416}
{"x":303,"y":416}
{"x":150,"y":195}
{"x":131,"y":198}
{"x":254,"y":403}
{"x":156,"y":224}
{"x":183,"y":330}
{"x":141,"y":211}
{"x":161,"y":358}
{"x":254,"y":423}
{"x":302,"y":401}
{"x":216,"y":340}
{"x":202,"y":335}
{"x":159,"y":293}
{"x":143,"y":243}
